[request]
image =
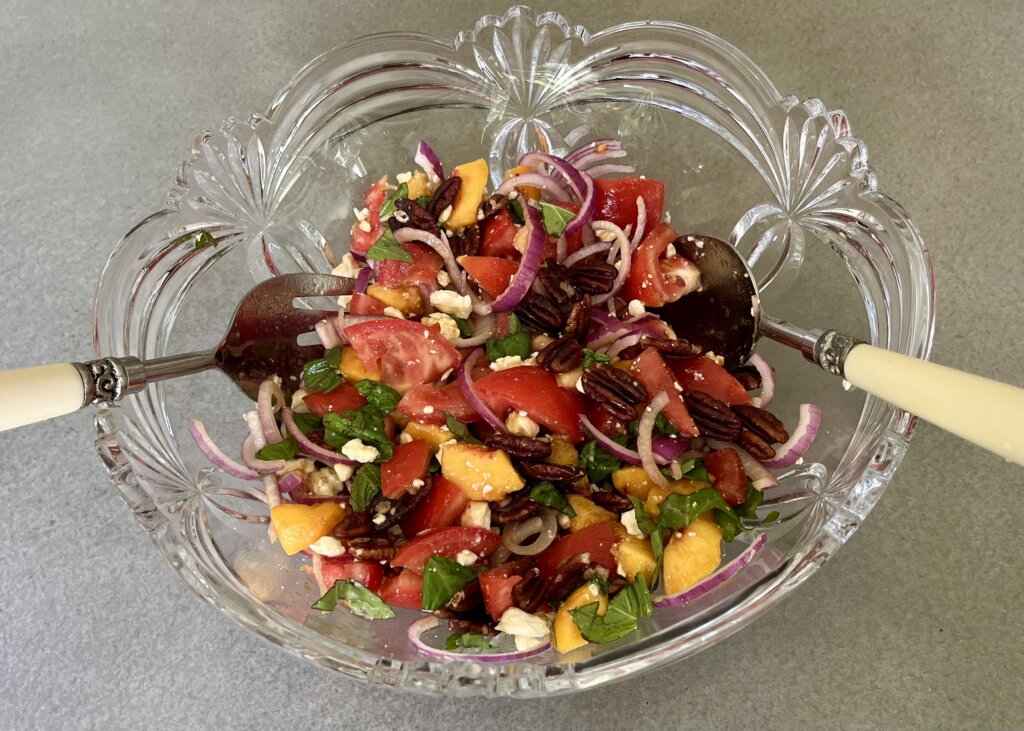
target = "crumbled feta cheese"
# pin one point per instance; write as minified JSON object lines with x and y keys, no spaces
{"x":348,"y":267}
{"x":520,"y":424}
{"x":405,"y":437}
{"x":452,"y":303}
{"x":416,"y":485}
{"x":564,"y":521}
{"x":327,"y":546}
{"x":847,"y":385}
{"x":324,"y":483}
{"x":443,"y":279}
{"x":298,"y":404}
{"x":606,"y":236}
{"x":579,"y":384}
{"x":344,"y":471}
{"x":442,"y":445}
{"x":541,"y":341}
{"x":365,"y":227}
{"x":522,"y":624}
{"x":670,"y":251}
{"x":636,"y":308}
{"x":465,"y":558}
{"x":344,"y":301}
{"x":379,"y":519}
{"x":448,"y":327}
{"x":524,"y":644}
{"x":394,"y":312}
{"x":354,"y":449}
{"x":668,"y":216}
{"x":716,"y":358}
{"x":303,"y":465}
{"x":361,"y":213}
{"x":428,"y":409}
{"x":445,"y":214}
{"x":477,"y":515}
{"x":403,"y":177}
{"x":507,"y":361}
{"x":628,"y":520}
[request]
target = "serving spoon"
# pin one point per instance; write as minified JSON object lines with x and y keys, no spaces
{"x":725,"y":316}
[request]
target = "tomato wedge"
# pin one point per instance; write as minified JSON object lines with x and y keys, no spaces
{"x":727,"y":475}
{"x":404,"y":590}
{"x":409,"y":462}
{"x":597,"y":540}
{"x":427,"y":404}
{"x":496,"y":586}
{"x":499,"y":231}
{"x":426,"y":263}
{"x":651,"y":371}
{"x":364,"y":304}
{"x":654,"y":280}
{"x":407,"y":353}
{"x":338,"y":401}
{"x":490,"y":272}
{"x":535,"y":391}
{"x":363,"y":240}
{"x":616,"y":200}
{"x":445,"y":542}
{"x":440,"y":508}
{"x":368,"y":573}
{"x":703,"y":374}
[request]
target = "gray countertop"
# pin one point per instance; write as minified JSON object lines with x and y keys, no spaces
{"x":916,"y":623}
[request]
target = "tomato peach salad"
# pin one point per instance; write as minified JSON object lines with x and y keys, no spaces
{"x":502,"y":433}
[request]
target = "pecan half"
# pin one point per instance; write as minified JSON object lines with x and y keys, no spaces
{"x":611,"y":500}
{"x":748,"y":377}
{"x":579,"y":319}
{"x":616,"y":584}
{"x":593,"y":275}
{"x":519,"y":447}
{"x":353,"y":525}
{"x":547,"y":472}
{"x":614,"y":389}
{"x":539,"y":313}
{"x":670,"y":347}
{"x":477,"y":625}
{"x":466,"y":598}
{"x":557,"y":282}
{"x":528,"y":594}
{"x":561,"y":356}
{"x":494,"y":204}
{"x":371,"y":548}
{"x":416,"y":215}
{"x":568,"y":576}
{"x":466,"y":243}
{"x":519,"y":507}
{"x":763,"y":422}
{"x":445,"y":194}
{"x":754,"y":443}
{"x":714,"y":419}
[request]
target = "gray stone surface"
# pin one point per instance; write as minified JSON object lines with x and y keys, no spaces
{"x":917,"y":623}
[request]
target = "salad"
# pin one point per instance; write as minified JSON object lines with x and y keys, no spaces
{"x":502,"y":433}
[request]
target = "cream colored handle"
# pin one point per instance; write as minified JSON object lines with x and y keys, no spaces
{"x":984,"y":412}
{"x":28,"y":395}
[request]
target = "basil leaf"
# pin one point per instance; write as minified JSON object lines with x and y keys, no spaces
{"x":625,"y":608}
{"x":598,"y":462}
{"x":388,"y":207}
{"x":378,"y":395}
{"x":643,"y":521}
{"x":424,"y":201}
{"x":687,"y":466}
{"x":469,"y":640}
{"x":547,"y":494}
{"x":285,"y":449}
{"x":459,"y":429}
{"x":319,"y":375}
{"x":307,"y":423}
{"x":657,"y":548}
{"x":698,"y":473}
{"x":771,"y":517}
{"x":514,"y":325}
{"x":442,"y":578}
{"x":333,"y":356}
{"x":591,"y":357}
{"x":365,"y":424}
{"x":387,"y":247}
{"x":365,"y":487}
{"x":361,"y":601}
{"x":515,"y":209}
{"x":748,"y":509}
{"x":517,"y":344}
{"x":465,"y":328}
{"x":729,"y":524}
{"x":663,"y":426}
{"x":555,"y":218}
{"x":204,"y":239}
{"x":678,"y":511}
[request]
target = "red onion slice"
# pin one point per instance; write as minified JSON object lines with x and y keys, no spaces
{"x":800,"y":441}
{"x":759,"y":475}
{"x":427,"y":159}
{"x":484,"y":332}
{"x":216,"y":455}
{"x":318,"y":573}
{"x":362,"y":280}
{"x":557,"y":191}
{"x":609,"y":169}
{"x":572,"y":176}
{"x":625,"y":454}
{"x":289,"y":481}
{"x":593,"y":152}
{"x":716,"y":579}
{"x":767,"y":373}
{"x":426,"y":624}
{"x":328,"y":334}
{"x":625,"y":258}
{"x":622,"y":343}
{"x":667,"y":449}
{"x":465,"y":380}
{"x":254,"y":463}
{"x":586,"y":251}
{"x":440,"y":245}
{"x":528,"y":267}
{"x":309,"y":447}
{"x":588,"y":205}
{"x":543,"y":526}
{"x":270,"y":391}
{"x":644,"y":438}
{"x":641,"y":224}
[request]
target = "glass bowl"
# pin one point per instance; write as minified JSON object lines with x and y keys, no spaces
{"x":783,"y":180}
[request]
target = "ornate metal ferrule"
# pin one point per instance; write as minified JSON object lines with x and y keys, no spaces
{"x":831,"y":349}
{"x":107,"y":380}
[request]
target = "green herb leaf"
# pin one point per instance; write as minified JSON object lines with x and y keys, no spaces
{"x":598,"y":462}
{"x":388,"y":207}
{"x":459,"y":429}
{"x":320,"y":375}
{"x":378,"y":395}
{"x":663,"y":426}
{"x":517,"y":344}
{"x":424,"y":201}
{"x":361,"y":601}
{"x":771,"y":517}
{"x":468,"y":640}
{"x":204,"y":239}
{"x":729,"y":524}
{"x":365,"y":424}
{"x":643,"y":521}
{"x":686,"y":466}
{"x":657,"y":548}
{"x":465,"y":328}
{"x":515,"y":209}
{"x":387,"y":247}
{"x":749,"y":507}
{"x":514,"y":325}
{"x":591,"y":357}
{"x":698,"y":472}
{"x":624,"y":609}
{"x":556,"y":218}
{"x":307,"y":423}
{"x":285,"y":449}
{"x":365,"y":487}
{"x":442,"y":578}
{"x":678,"y":511}
{"x":333,"y":356}
{"x":547,"y":494}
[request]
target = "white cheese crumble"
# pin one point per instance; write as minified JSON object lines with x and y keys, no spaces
{"x":354,"y":449}
{"x":344,"y":471}
{"x":606,"y":236}
{"x":716,"y":358}
{"x":344,"y":301}
{"x":403,"y":177}
{"x":394,"y":312}
{"x":520,"y":424}
{"x":476,"y":515}
{"x":670,"y":251}
{"x":298,"y":404}
{"x":324,"y":483}
{"x":365,"y":227}
{"x":636,"y":308}
{"x":348,"y":267}
{"x":564,"y":521}
{"x":507,"y":361}
{"x":405,"y":437}
{"x":465,"y":558}
{"x":445,"y":323}
{"x":443,"y":279}
{"x":452,"y":303}
{"x":628,"y":520}
{"x":579,"y":384}
{"x":524,"y":644}
{"x":428,"y":409}
{"x":379,"y":519}
{"x":522,"y":624}
{"x":327,"y":546}
{"x":445,"y":214}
